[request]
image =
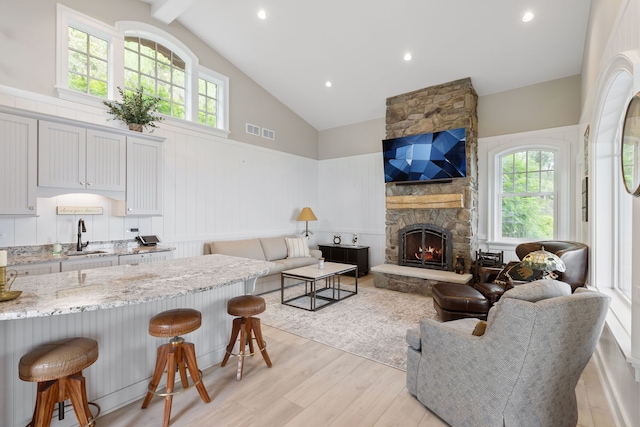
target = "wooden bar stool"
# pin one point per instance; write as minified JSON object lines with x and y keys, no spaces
{"x":247,"y":326}
{"x":177,"y":353}
{"x":57,"y":368}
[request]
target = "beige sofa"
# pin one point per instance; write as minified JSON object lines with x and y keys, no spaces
{"x":272,"y":249}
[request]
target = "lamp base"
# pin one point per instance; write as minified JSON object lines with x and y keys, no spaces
{"x":9,"y":295}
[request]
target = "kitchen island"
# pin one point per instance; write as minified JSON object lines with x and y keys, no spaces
{"x":113,"y":305}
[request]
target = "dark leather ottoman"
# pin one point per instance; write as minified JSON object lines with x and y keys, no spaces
{"x":453,"y":301}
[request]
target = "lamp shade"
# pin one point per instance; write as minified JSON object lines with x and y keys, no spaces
{"x":543,"y":260}
{"x":307,"y":215}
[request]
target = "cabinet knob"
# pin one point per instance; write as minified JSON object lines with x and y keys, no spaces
{"x":32,"y":208}
{"x":130,"y":209}
{"x":89,"y":183}
{"x":81,"y":182}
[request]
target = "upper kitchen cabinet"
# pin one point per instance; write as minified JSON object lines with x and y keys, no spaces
{"x":77,"y":159}
{"x":18,"y":165}
{"x":144,"y":177}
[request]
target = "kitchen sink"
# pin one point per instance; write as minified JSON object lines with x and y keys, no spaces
{"x":78,"y":253}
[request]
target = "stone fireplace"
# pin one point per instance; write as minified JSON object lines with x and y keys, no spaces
{"x":449,"y":208}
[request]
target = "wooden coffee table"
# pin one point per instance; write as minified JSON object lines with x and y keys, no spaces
{"x":315,"y":298}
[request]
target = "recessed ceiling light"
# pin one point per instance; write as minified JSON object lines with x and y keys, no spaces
{"x":328,"y":84}
{"x":528,"y":16}
{"x":262,"y":14}
{"x":407,"y":56}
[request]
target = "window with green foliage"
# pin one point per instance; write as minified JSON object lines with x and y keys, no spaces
{"x":207,"y":103}
{"x":527,"y":204}
{"x":159,"y":71}
{"x":88,"y":63}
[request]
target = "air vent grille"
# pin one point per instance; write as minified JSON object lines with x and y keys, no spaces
{"x":253,"y":129}
{"x":269,"y":134}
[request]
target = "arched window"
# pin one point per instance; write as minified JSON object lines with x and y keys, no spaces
{"x":94,"y":59}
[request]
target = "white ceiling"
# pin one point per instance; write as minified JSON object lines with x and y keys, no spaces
{"x":359,"y":46}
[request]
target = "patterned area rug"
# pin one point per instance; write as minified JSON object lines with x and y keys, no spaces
{"x":371,"y":324}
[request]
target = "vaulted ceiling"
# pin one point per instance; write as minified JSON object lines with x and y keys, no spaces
{"x":359,"y":45}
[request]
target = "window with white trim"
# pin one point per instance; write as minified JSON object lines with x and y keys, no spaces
{"x":526,"y":203}
{"x":94,"y":59}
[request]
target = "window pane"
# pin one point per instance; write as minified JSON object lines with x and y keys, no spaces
{"x":164,"y":91}
{"x":507,"y":183}
{"x":98,"y":69}
{"x":533,"y":161}
{"x":164,"y":107}
{"x":131,"y":79}
{"x":131,"y":60}
{"x":178,"y":111}
{"x":148,"y":48}
{"x":147,"y":66}
{"x":547,"y":160}
{"x":78,"y":62}
{"x":202,"y":103}
{"x":520,"y":161}
{"x":132,"y":43}
{"x":520,"y":184}
{"x":178,"y":95}
{"x":211,"y":106}
{"x":533,"y":182}
{"x":527,"y":217}
{"x":77,"y":82}
{"x":77,"y":40}
{"x":164,"y":55}
{"x":212,"y":90}
{"x":98,"y":47}
{"x":178,"y":77}
{"x":98,"y":88}
{"x":547,"y":184}
{"x":164,"y":72}
{"x":507,"y":163}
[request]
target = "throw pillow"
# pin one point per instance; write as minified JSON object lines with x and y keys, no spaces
{"x":515,"y":272}
{"x":297,"y":247}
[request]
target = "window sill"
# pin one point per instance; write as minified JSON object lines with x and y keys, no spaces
{"x":618,"y":321}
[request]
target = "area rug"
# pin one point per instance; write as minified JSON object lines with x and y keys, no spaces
{"x":372,"y":324}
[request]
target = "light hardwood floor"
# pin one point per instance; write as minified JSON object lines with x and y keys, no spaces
{"x":311,"y":384}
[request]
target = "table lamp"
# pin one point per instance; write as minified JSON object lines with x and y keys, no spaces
{"x":546,"y":261}
{"x":307,"y":215}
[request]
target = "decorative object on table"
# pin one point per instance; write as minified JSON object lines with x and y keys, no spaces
{"x":488,"y":259}
{"x":337,"y":239}
{"x":354,"y":239}
{"x":57,"y":248}
{"x":545,"y":261}
{"x":136,"y":109}
{"x":459,"y":268}
{"x":306,"y":215}
{"x":516,"y":272}
{"x":320,"y":263}
{"x":6,"y":294}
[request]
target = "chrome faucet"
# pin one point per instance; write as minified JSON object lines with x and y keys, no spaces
{"x":81,"y":229}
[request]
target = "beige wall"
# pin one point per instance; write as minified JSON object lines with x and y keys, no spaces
{"x":551,"y":104}
{"x":28,"y":62}
{"x":547,"y":105}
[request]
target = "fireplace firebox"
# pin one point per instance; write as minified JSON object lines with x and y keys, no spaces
{"x":425,"y":246}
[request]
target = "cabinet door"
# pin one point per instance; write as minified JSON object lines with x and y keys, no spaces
{"x":144,"y":177}
{"x":61,"y":156}
{"x":33,"y":269}
{"x":88,"y":263}
{"x":106,"y":161}
{"x":145,"y":258}
{"x":18,"y":165}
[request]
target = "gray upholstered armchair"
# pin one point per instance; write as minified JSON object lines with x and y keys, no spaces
{"x":524,"y":369}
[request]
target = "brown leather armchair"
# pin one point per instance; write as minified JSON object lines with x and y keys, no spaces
{"x":453,"y":301}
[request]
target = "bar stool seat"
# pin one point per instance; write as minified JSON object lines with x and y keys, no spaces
{"x":177,"y":353}
{"x":245,"y":307}
{"x":57,"y":368}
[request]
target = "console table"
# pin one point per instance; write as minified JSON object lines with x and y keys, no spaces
{"x":348,"y":254}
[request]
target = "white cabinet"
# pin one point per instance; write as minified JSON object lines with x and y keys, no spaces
{"x":18,"y":165}
{"x":87,"y":263}
{"x":80,"y":159}
{"x":144,"y":177}
{"x":145,"y":258}
{"x":33,"y":269}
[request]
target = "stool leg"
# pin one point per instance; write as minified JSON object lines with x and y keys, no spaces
{"x":181,"y":366}
{"x":171,"y":378}
{"x":243,"y":346}
{"x":257,"y":330}
{"x":189,"y":352}
{"x":76,"y":389}
{"x":161,"y":362}
{"x":249,"y":328}
{"x":46,"y":398}
{"x":232,"y":341}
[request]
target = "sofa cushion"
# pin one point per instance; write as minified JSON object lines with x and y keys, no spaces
{"x":539,"y":290}
{"x":249,"y":248}
{"x":274,"y":248}
{"x":289,"y":263}
{"x":297,"y":247}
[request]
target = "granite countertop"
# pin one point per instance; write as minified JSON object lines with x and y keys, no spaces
{"x":38,"y":255}
{"x":108,"y":287}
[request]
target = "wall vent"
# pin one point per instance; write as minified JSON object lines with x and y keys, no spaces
{"x":269,"y":134}
{"x":253,"y":129}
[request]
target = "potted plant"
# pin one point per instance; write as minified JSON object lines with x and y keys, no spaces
{"x":136,"y":109}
